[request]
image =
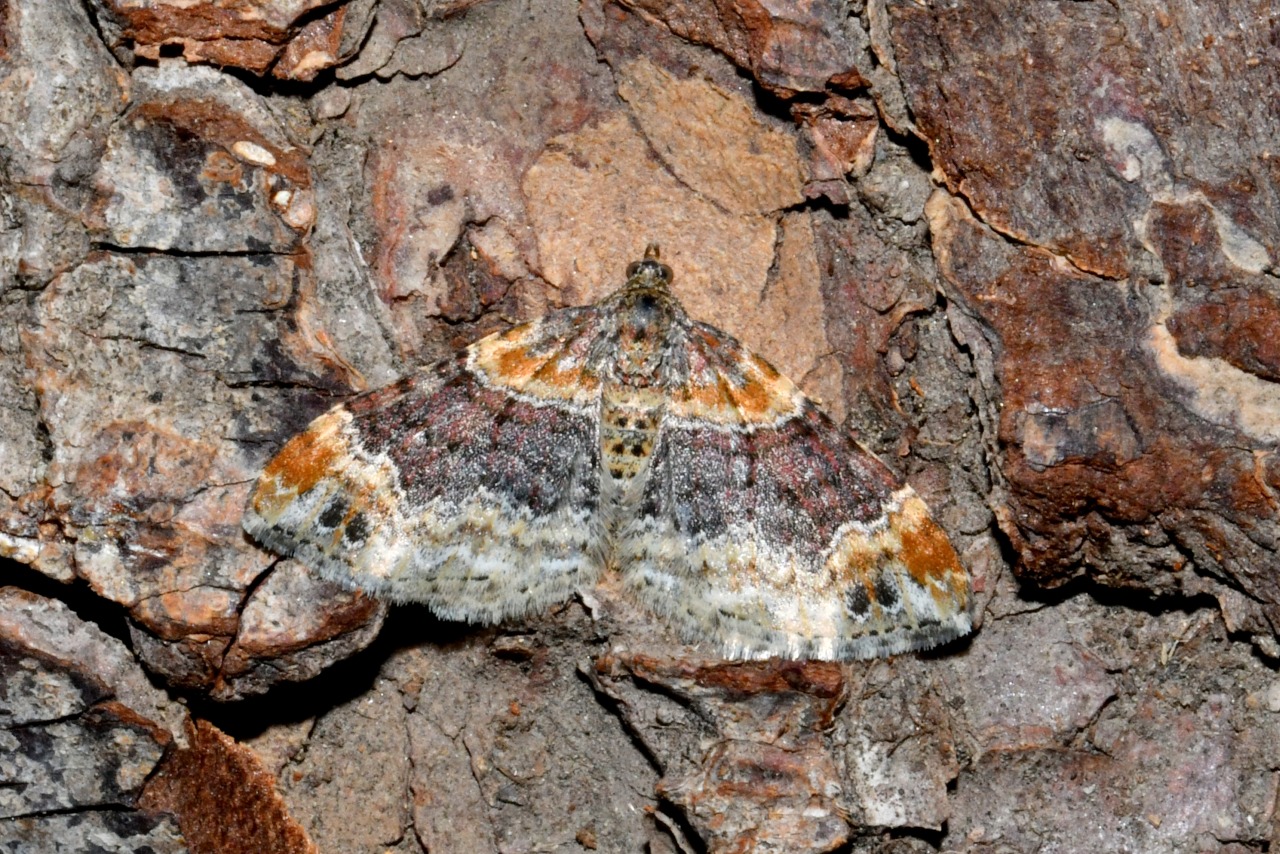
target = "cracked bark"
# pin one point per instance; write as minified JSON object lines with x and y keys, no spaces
{"x":1027,"y":253}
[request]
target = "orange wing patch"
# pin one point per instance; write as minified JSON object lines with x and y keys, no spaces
{"x":320,"y":484}
{"x":523,"y":360}
{"x":902,"y":577}
{"x":304,"y":461}
{"x":927,"y":553}
{"x":755,"y":395}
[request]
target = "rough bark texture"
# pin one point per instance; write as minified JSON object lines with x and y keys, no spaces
{"x":1026,"y":251}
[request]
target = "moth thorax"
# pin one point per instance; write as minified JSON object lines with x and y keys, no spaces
{"x":629,"y":422}
{"x":645,"y":319}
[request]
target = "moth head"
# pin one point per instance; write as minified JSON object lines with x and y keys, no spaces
{"x":650,"y":272}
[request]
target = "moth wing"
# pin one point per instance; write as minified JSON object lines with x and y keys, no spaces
{"x":471,"y":486}
{"x":764,"y":528}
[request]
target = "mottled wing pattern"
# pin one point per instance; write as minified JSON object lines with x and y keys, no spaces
{"x":621,"y":434}
{"x":472,"y":486}
{"x":762,"y":527}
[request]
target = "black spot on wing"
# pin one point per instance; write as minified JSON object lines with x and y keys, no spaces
{"x":887,"y":593}
{"x":332,"y":515}
{"x":357,"y":530}
{"x":857,"y":600}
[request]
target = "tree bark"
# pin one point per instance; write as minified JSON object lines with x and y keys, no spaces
{"x":1025,"y":252}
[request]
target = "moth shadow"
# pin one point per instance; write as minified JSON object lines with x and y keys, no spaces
{"x":286,"y":703}
{"x":954,"y":648}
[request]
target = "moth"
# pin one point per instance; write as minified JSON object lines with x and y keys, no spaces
{"x":618,"y":437}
